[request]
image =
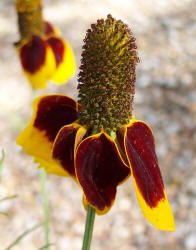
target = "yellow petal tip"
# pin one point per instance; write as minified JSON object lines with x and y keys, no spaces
{"x":161,"y":216}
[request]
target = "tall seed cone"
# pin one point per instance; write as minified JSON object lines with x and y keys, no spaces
{"x":107,"y":75}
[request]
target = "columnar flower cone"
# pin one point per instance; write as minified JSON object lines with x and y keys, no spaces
{"x":97,"y":141}
{"x":44,"y":55}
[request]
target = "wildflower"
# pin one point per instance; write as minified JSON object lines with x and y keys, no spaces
{"x":97,"y":141}
{"x":43,"y":53}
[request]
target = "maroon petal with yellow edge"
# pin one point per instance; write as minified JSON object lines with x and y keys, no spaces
{"x":99,"y":170}
{"x":121,"y":146}
{"x":58,"y":49}
{"x":51,"y":112}
{"x":38,"y":61}
{"x":33,"y":54}
{"x":140,"y":150}
{"x":64,"y":57}
{"x":64,"y":146}
{"x":48,"y":29}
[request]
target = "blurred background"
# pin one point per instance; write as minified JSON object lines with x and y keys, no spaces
{"x":165,"y":98}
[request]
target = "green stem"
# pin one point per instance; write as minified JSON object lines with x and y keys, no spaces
{"x":45,"y":206}
{"x":33,"y":94}
{"x":90,"y":218}
{"x":2,"y":162}
{"x":30,"y":20}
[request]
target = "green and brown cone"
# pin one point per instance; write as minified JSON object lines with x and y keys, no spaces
{"x":107,"y":75}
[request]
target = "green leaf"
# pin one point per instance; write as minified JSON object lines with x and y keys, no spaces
{"x":46,"y":246}
{"x":9,"y":197}
{"x":3,"y":213}
{"x":20,"y":237}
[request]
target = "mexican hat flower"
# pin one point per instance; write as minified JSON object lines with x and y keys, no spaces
{"x":43,"y":53}
{"x":97,"y":141}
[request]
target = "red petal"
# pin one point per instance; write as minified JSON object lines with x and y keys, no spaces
{"x":49,"y":30}
{"x":64,"y":145}
{"x":99,"y":170}
{"x":58,"y":49}
{"x":53,"y":112}
{"x":33,"y":54}
{"x":140,"y":148}
{"x":121,"y":146}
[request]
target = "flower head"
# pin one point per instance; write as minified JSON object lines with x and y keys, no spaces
{"x":97,"y":141}
{"x":44,"y":55}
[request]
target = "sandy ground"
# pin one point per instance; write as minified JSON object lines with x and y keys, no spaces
{"x":165,"y":98}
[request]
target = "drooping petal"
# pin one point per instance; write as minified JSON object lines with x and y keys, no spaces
{"x":50,"y":30}
{"x":99,"y":170}
{"x":150,"y":191}
{"x":65,"y":62}
{"x":51,"y":112}
{"x":65,"y":144}
{"x":38,"y":61}
{"x":121,"y":146}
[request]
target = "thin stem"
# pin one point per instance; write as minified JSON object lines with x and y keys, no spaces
{"x":20,"y":237}
{"x":9,"y":197}
{"x":45,"y":206}
{"x":2,"y":160}
{"x":33,"y":94}
{"x":90,"y":218}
